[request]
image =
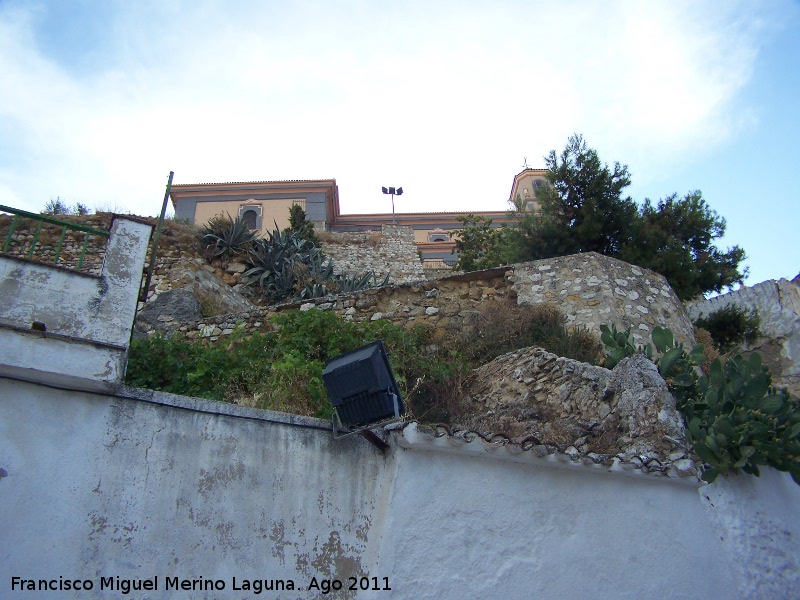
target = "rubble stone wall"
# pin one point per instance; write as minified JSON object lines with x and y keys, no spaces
{"x":590,"y":289}
{"x":390,"y":251}
{"x":608,"y":417}
{"x":593,"y":290}
{"x":444,"y":304}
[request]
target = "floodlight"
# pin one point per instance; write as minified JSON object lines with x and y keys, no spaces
{"x":362,"y":390}
{"x":392,"y":191}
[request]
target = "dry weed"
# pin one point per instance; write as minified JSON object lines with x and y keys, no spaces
{"x":710,"y":351}
{"x":503,"y":326}
{"x":444,"y":402}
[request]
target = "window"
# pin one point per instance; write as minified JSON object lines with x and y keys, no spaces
{"x":250,"y":218}
{"x":438,"y":235}
{"x":250,"y":214}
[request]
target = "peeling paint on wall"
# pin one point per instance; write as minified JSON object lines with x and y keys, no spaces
{"x":177,"y":487}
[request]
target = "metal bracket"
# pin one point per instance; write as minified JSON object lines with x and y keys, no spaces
{"x":339,"y":431}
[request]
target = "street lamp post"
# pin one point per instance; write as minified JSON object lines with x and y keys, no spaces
{"x":392,"y":191}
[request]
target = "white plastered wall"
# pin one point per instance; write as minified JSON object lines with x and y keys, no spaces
{"x":143,"y":484}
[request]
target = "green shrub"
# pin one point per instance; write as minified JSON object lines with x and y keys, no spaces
{"x":179,"y":367}
{"x":59,"y":207}
{"x":731,"y":326}
{"x":300,"y":226}
{"x":282,"y":370}
{"x":734,"y":418}
{"x":56,"y":207}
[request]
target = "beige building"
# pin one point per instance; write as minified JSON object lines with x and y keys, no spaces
{"x":262,"y":204}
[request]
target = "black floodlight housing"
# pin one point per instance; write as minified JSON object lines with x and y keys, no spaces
{"x":385,"y":191}
{"x":362,"y":389}
{"x":399,"y":191}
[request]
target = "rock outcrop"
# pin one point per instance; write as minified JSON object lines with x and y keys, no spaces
{"x":167,"y":312}
{"x":189,"y":292}
{"x":626,"y":414}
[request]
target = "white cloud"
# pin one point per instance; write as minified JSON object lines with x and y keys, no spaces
{"x":443,"y":100}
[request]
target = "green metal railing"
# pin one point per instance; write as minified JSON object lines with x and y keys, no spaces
{"x":46,"y":219}
{"x":148,"y":274}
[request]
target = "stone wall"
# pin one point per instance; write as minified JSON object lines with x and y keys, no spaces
{"x":246,"y":499}
{"x":592,"y":290}
{"x":590,"y":294}
{"x":589,"y":288}
{"x":444,"y":304}
{"x":778,"y":306}
{"x":389,"y":251}
{"x":49,"y":237}
{"x":622,"y":417}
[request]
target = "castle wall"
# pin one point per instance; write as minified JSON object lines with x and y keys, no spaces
{"x":590,"y":289}
{"x":447,"y":304}
{"x":390,"y":251}
{"x":778,"y":306}
{"x":132,"y":487}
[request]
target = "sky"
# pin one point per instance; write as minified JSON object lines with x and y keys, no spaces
{"x":100,"y":100}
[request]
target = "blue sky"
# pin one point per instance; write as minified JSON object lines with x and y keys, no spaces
{"x":100,"y":100}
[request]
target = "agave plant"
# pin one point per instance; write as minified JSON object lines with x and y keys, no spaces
{"x":356,"y":283}
{"x":224,"y":236}
{"x":285,"y":265}
{"x":274,"y":262}
{"x":314,"y":278}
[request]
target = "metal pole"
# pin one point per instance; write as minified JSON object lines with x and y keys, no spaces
{"x":156,"y":236}
{"x":393,"y":221}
